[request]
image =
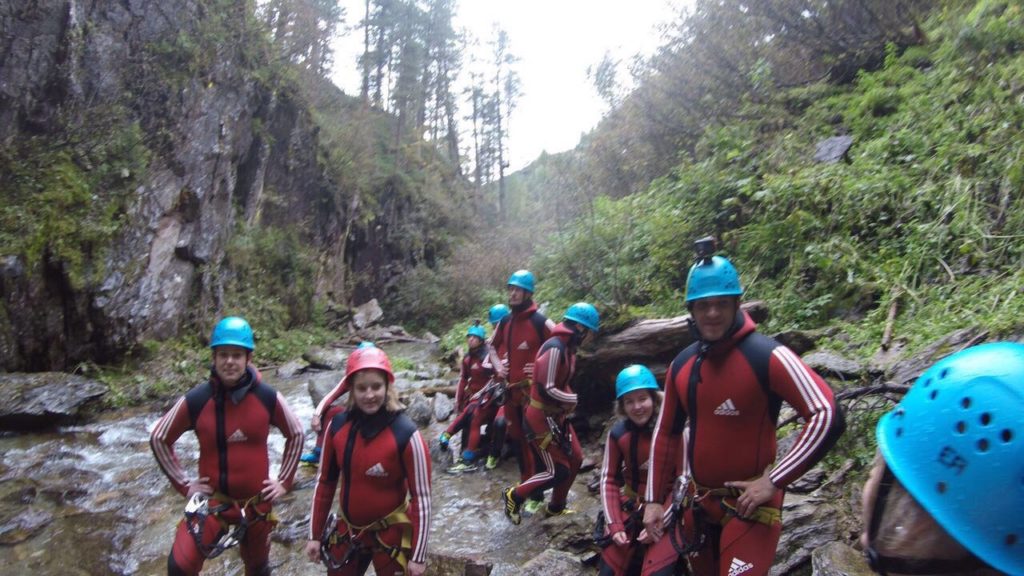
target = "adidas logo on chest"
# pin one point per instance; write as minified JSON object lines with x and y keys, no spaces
{"x":727,"y":408}
{"x":739,"y":567}
{"x":237,"y":436}
{"x":377,"y":471}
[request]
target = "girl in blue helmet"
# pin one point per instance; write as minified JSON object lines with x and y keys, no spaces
{"x":946,"y":494}
{"x":476,"y":372}
{"x":626,"y":548}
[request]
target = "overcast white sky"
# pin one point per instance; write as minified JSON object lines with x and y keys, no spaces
{"x":556,"y":40}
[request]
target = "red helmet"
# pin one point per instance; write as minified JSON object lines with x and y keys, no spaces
{"x":363,"y":359}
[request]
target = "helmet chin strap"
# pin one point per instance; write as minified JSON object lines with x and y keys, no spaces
{"x":912,"y":566}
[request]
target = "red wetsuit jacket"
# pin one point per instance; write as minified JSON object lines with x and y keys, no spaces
{"x":381,"y":461}
{"x":476,"y":372}
{"x":623,"y":481}
{"x":553,"y":371}
{"x":518,"y":338}
{"x":232,"y":426}
{"x":626,"y":453}
{"x":731,"y":402}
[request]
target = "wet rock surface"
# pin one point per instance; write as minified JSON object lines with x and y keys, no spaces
{"x":45,"y":399}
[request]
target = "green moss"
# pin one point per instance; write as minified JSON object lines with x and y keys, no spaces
{"x":64,"y":199}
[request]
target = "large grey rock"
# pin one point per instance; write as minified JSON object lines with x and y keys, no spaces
{"x":443,"y":407}
{"x":326,"y":358}
{"x":553,"y":563}
{"x":419,"y":409}
{"x":808,"y":523}
{"x":292,"y":368}
{"x":834,"y":149}
{"x":367,"y":314}
{"x":45,"y":399}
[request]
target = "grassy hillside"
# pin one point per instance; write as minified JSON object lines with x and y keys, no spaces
{"x":928,"y":210}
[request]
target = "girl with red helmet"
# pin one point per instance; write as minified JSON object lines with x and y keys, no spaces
{"x":377,"y":455}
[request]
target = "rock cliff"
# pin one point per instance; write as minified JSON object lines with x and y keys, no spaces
{"x":219,"y":140}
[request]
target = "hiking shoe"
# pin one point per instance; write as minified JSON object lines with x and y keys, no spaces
{"x":462,"y":466}
{"x":548,"y":512}
{"x":512,"y":508}
{"x":443,"y":440}
{"x":312,"y":457}
{"x":492,"y":462}
{"x":533,"y":506}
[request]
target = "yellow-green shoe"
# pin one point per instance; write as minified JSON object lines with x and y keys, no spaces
{"x":492,"y":462}
{"x":548,"y":513}
{"x":533,"y":506}
{"x":512,"y":508}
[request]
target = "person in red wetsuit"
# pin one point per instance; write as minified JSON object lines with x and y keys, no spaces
{"x":231,"y":415}
{"x":551,"y":400}
{"x":325,"y":411}
{"x":726,"y":389}
{"x":374,"y":451}
{"x":475,"y":373}
{"x":625,"y":544}
{"x":515,"y":343}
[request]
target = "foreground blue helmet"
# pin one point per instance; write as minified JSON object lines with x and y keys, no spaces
{"x":583,"y":314}
{"x":497,"y":313}
{"x":232,"y":331}
{"x":523,"y":279}
{"x":956,"y":442}
{"x":635,"y":377}
{"x":478,"y":331}
{"x":710,"y":277}
{"x":365,"y":344}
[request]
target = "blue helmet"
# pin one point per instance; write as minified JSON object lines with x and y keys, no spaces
{"x":497,"y":313}
{"x":635,"y":377}
{"x":522,"y":279}
{"x":232,"y":331}
{"x":714,"y":276}
{"x":585,"y":315}
{"x":478,"y":331}
{"x":365,"y":344}
{"x":956,"y":442}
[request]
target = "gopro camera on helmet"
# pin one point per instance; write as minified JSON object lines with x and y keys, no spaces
{"x":705,"y":248}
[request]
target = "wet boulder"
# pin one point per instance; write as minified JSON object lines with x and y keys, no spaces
{"x":443,"y":407}
{"x":326,"y":358}
{"x":419,"y":409}
{"x":553,"y":563}
{"x":292,"y":368}
{"x":367,"y":314}
{"x":45,"y":399}
{"x":809,"y":522}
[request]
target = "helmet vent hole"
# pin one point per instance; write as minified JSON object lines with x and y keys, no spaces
{"x":983,"y":445}
{"x":986,"y":419}
{"x":1006,"y":435}
{"x":941,"y":487}
{"x":1011,"y":539}
{"x":899,"y":432}
{"x":965,"y":403}
{"x":927,"y":382}
{"x":961,"y":427}
{"x":934,"y":394}
{"x":943,"y":374}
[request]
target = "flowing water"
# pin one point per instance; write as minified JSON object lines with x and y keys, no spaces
{"x":89,"y":499}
